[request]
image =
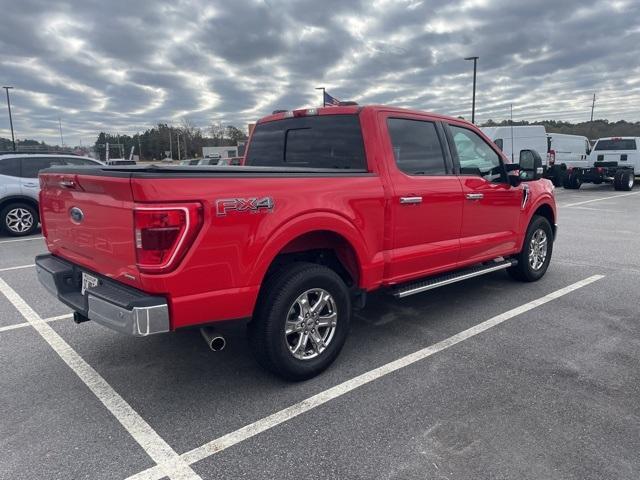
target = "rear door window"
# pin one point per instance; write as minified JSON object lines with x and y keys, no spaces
{"x":31,"y":166}
{"x":10,"y":167}
{"x":616,"y":144}
{"x":416,"y":147}
{"x":326,"y":141}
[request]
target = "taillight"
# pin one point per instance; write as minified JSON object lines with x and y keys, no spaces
{"x":552,"y":157}
{"x":163,"y":234}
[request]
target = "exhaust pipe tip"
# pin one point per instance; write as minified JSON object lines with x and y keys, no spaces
{"x":213,"y":339}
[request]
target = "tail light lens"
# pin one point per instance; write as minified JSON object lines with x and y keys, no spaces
{"x":164,"y":234}
{"x":552,"y":157}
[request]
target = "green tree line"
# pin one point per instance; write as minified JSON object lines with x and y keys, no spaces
{"x":154,"y":142}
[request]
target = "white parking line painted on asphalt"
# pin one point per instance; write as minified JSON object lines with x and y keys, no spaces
{"x":19,"y":267}
{"x":168,"y":460}
{"x":321,"y":398}
{"x":598,"y":199}
{"x":21,"y":239}
{"x":27,"y":324}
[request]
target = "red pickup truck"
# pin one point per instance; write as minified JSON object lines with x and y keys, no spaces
{"x":330,"y":204}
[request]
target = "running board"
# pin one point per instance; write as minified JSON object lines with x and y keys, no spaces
{"x":449,"y":278}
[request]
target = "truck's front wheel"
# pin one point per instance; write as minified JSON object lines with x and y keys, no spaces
{"x":534,"y":258}
{"x":301,"y":321}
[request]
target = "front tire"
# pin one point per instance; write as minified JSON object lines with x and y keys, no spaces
{"x":534,"y":258}
{"x":301,"y":321}
{"x":19,"y":219}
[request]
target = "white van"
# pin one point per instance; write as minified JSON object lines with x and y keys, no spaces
{"x":526,"y":137}
{"x":622,"y":150}
{"x":568,"y":151}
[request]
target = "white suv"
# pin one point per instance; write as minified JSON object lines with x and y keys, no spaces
{"x":19,"y":188}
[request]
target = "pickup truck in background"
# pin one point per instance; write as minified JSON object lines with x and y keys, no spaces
{"x":613,"y":160}
{"x":331,"y":203}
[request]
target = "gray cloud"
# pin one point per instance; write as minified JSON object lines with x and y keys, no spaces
{"x":125,"y":65}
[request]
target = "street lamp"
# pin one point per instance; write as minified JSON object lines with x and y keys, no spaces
{"x":13,"y":140}
{"x":473,"y":104}
{"x":324,"y":103}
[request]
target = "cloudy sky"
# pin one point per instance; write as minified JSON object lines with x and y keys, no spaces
{"x":122,"y":66}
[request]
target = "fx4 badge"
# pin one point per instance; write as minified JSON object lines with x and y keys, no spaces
{"x":253,"y":205}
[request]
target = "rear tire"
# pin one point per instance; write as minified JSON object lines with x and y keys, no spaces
{"x":572,"y":181}
{"x":624,"y":181}
{"x":534,"y":258}
{"x":19,"y":219}
{"x":287,"y":336}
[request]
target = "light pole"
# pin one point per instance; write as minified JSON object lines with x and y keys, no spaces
{"x":473,"y":103}
{"x":324,"y":103}
{"x":13,"y":140}
{"x":60,"y":125}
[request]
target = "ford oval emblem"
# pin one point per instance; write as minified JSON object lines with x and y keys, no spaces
{"x":76,"y":215}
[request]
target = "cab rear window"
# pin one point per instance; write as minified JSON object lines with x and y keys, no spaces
{"x":616,"y":144}
{"x":326,"y":141}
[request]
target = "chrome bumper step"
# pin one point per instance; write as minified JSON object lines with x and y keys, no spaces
{"x":430,"y":283}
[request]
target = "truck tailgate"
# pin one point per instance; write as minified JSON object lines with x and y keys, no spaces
{"x":88,"y":220}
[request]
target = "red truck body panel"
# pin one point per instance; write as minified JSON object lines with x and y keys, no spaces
{"x":104,"y":240}
{"x":357,"y":214}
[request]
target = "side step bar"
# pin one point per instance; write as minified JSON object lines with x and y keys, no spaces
{"x":448,"y":278}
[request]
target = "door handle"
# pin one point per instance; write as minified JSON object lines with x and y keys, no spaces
{"x":410,"y":200}
{"x":474,"y":196}
{"x":30,"y":185}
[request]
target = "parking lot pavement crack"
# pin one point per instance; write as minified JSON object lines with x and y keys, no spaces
{"x":169,"y":462}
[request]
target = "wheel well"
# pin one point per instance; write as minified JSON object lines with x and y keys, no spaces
{"x":324,"y":248}
{"x":546,"y":212}
{"x":9,"y":200}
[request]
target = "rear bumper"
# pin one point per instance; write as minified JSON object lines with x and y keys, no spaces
{"x":110,"y":304}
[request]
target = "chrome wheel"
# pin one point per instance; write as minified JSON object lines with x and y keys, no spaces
{"x":311,"y":324}
{"x":19,"y":220}
{"x":538,"y":249}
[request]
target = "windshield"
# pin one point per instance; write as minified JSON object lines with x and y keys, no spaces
{"x":616,"y":144}
{"x":327,"y":141}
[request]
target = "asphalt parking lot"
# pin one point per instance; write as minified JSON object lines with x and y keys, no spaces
{"x":487,"y":378}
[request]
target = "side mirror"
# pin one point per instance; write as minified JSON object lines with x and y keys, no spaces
{"x":530,"y":165}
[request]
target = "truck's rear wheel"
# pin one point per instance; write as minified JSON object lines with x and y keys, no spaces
{"x":301,"y":321}
{"x":534,"y":258}
{"x":19,"y":219}
{"x":624,"y":181}
{"x":572,"y":181}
